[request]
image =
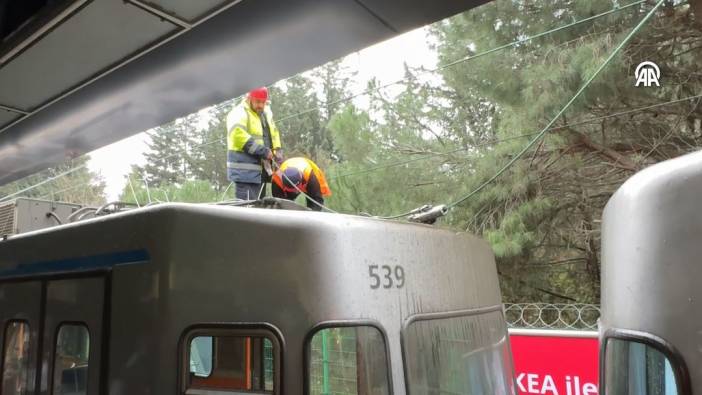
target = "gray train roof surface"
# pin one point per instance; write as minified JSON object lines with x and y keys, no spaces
{"x":85,"y":73}
{"x":651,"y":251}
{"x":173,"y":266}
{"x":262,"y":241}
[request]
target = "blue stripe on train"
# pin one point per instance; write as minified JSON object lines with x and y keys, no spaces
{"x":81,"y":264}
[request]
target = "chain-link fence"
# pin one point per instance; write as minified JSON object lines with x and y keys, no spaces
{"x":333,"y":369}
{"x":552,"y":316}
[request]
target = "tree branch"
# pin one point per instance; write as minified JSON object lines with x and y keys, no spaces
{"x":618,"y":158}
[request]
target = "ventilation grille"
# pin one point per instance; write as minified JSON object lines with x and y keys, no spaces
{"x":7,"y":219}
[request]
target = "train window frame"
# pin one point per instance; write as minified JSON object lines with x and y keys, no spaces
{"x":677,"y":362}
{"x":266,"y":330}
{"x":54,"y":349}
{"x":307,"y":347}
{"x":4,"y":350}
{"x":444,"y":315}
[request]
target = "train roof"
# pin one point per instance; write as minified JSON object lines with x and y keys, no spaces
{"x":651,"y":253}
{"x":310,"y":254}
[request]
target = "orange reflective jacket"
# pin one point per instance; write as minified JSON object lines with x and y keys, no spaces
{"x":307,"y":168}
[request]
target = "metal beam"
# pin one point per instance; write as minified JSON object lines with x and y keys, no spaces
{"x":46,"y":28}
{"x":11,"y":109}
{"x":161,"y":14}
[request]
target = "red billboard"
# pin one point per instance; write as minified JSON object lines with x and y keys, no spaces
{"x":555,"y":362}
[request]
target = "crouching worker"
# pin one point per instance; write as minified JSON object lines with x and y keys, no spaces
{"x":301,"y":174}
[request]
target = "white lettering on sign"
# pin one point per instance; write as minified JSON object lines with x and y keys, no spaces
{"x":589,"y":389}
{"x":532,"y":379}
{"x":548,"y":385}
{"x":530,"y":383}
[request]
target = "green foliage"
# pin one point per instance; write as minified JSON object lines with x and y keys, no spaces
{"x":351,"y":131}
{"x":80,"y":186}
{"x":168,"y":160}
{"x":208,"y":156}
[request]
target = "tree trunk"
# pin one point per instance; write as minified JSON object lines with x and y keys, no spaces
{"x":696,"y":6}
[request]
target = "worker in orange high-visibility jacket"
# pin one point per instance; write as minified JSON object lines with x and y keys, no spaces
{"x":304,"y":175}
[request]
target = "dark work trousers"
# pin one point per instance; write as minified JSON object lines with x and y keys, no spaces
{"x":247,"y":191}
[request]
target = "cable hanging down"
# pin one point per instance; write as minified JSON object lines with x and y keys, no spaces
{"x":465,"y":59}
{"x":427,"y":156}
{"x":370,"y":90}
{"x":445,"y":209}
{"x":430,"y":155}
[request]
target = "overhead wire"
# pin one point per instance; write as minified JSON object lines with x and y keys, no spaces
{"x":579,"y":92}
{"x":218,"y":106}
{"x":29,"y":188}
{"x":54,"y":193}
{"x":430,"y":155}
{"x":433,"y":154}
{"x":465,"y":59}
{"x":371,"y":90}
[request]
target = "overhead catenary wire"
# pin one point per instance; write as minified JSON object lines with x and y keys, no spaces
{"x":464,"y":59}
{"x":52,"y":194}
{"x":29,"y":188}
{"x":433,"y":154}
{"x":430,"y":155}
{"x":396,"y":82}
{"x":225,"y":104}
{"x":370,"y":90}
{"x":577,"y":94}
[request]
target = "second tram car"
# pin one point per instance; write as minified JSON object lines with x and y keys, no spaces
{"x":216,"y":300}
{"x":651,"y":326}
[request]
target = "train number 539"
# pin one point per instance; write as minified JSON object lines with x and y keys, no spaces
{"x":386,"y":276}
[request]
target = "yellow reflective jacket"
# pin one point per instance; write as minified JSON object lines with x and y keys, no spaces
{"x":245,"y":145}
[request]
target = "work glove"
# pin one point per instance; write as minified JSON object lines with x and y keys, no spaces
{"x":267,"y":167}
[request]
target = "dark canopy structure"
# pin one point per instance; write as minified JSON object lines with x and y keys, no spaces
{"x":76,"y":75}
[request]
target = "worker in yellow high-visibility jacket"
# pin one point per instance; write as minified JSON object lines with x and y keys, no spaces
{"x":301,"y":174}
{"x":253,"y":141}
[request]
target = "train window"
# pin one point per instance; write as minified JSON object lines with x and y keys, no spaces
{"x":463,"y":354}
{"x":634,"y":368}
{"x":71,"y":360}
{"x":348,"y":360}
{"x":232,"y":360}
{"x":15,"y":358}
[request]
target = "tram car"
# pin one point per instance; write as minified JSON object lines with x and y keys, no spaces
{"x":651,"y":323}
{"x":216,"y":300}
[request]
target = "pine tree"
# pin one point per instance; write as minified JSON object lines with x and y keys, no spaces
{"x":295,"y":108}
{"x":168,"y":160}
{"x":541,"y":216}
{"x":208,"y":157}
{"x":334,"y":80}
